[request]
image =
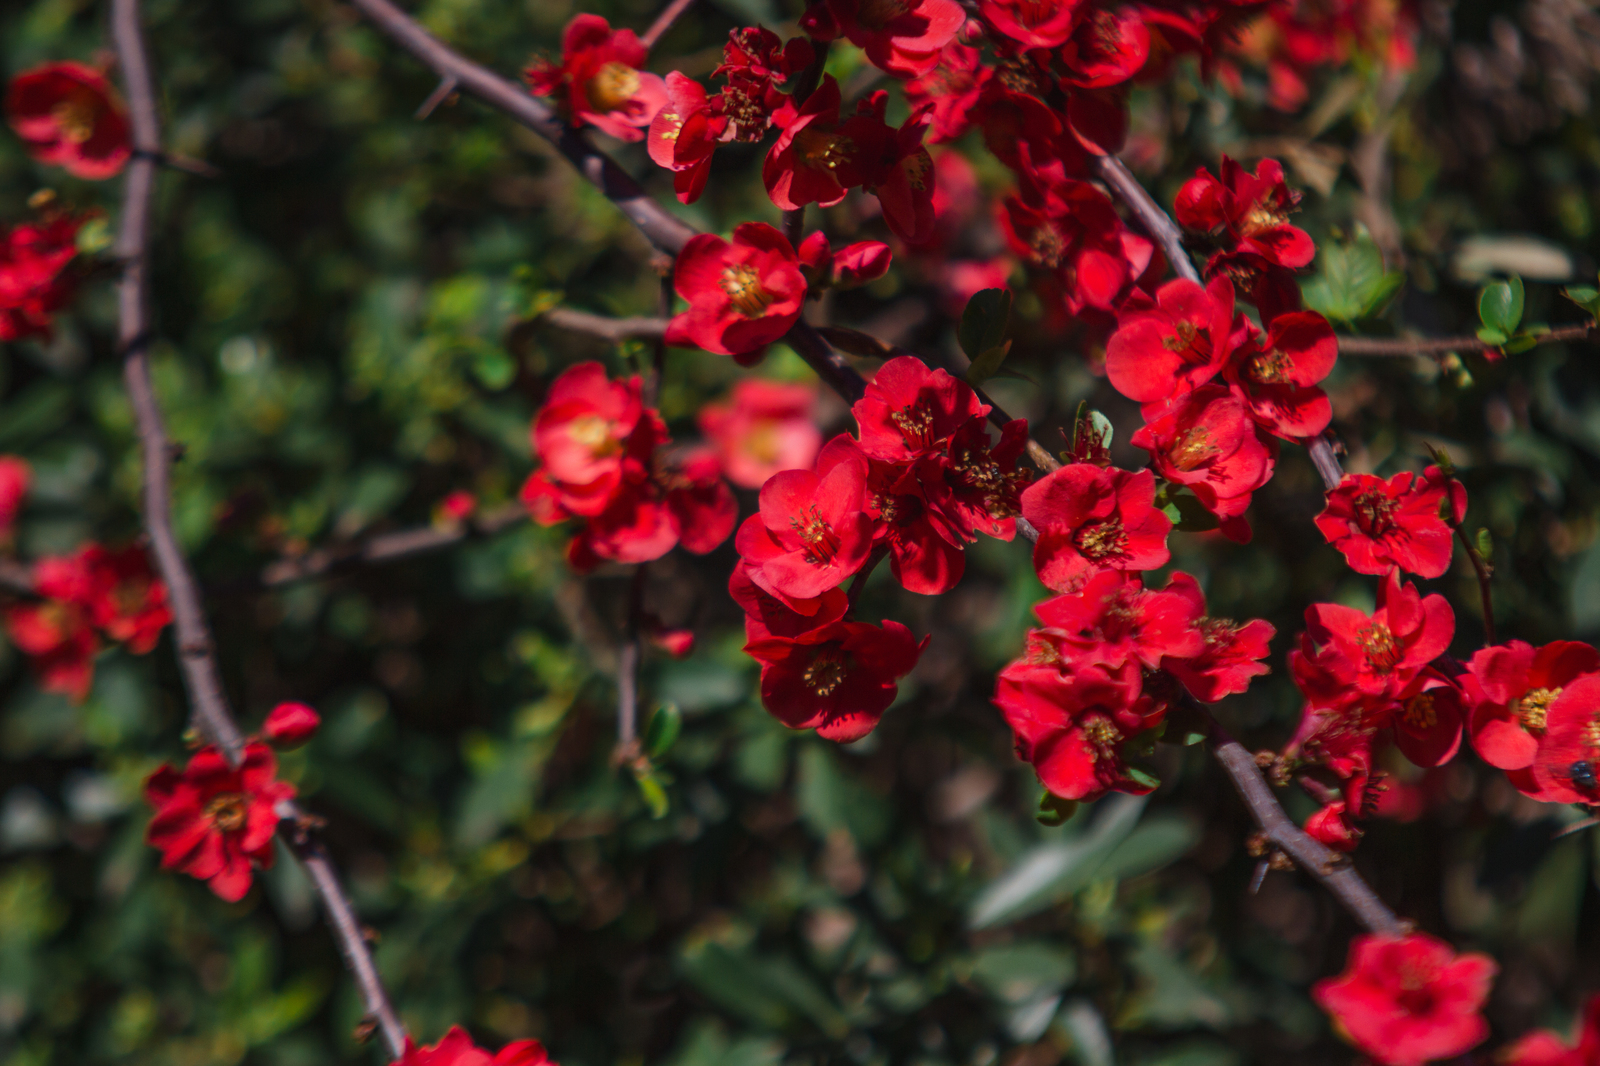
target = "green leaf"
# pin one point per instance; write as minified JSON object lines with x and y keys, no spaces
{"x":984,"y":322}
{"x":663,"y":730}
{"x":987,"y":364}
{"x":1351,"y":283}
{"x":1585,"y":296}
{"x":1055,"y":811}
{"x":1500,"y":307}
{"x":1521,"y":343}
{"x":1491,"y":336}
{"x":655,"y":796}
{"x":1485,"y":543}
{"x":1188,"y":514}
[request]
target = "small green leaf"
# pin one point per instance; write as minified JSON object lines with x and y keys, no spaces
{"x":1351,"y":283}
{"x":1491,"y":336}
{"x":663,"y":730}
{"x":1054,"y":811}
{"x":655,"y":797}
{"x":1521,"y":343}
{"x":1188,"y":514}
{"x":1500,"y":308}
{"x":987,"y":364}
{"x":94,"y":236}
{"x":984,"y":322}
{"x":1149,"y":781}
{"x":1485,"y":544}
{"x":1585,"y":296}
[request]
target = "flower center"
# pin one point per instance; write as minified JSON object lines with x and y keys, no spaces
{"x":825,"y":673}
{"x":1102,"y":539}
{"x":1048,"y":246}
{"x":1261,"y":217}
{"x":1193,"y":448}
{"x":1591,"y":733}
{"x":226,"y":811}
{"x":75,"y":116}
{"x":613,"y":86}
{"x":1270,"y":367}
{"x":915,"y":423}
{"x":742,"y":283}
{"x":1534,"y":708}
{"x":592,"y":432}
{"x":1382,"y":651}
{"x":1419,"y":712}
{"x":821,"y":150}
{"x":821,"y":542}
{"x":1376,"y":510}
{"x":1102,"y":736}
{"x":916,"y":167}
{"x":876,"y":14}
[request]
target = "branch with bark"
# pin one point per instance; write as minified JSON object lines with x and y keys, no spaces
{"x":211,"y":716}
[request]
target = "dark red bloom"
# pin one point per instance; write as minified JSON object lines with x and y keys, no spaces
{"x":1567,"y":763}
{"x":1108,"y":47}
{"x":742,"y":294}
{"x":592,"y":435}
{"x":290,"y":725}
{"x":1380,"y":654}
{"x":811,"y":532}
{"x":950,"y":91}
{"x":1406,"y":521}
{"x":1277,"y":375}
{"x":925,"y":556}
{"x":902,"y":177}
{"x":1407,"y":1000}
{"x":1113,"y":619}
{"x":684,"y":134}
{"x":599,"y":81}
{"x":1544,"y":1048}
{"x":902,"y":37}
{"x":837,"y":679}
{"x":1208,"y":442}
{"x":1516,"y":684}
{"x":816,"y":160}
{"x":1174,"y":345}
{"x":1428,"y":719}
{"x":1332,"y":827}
{"x":701,"y":504}
{"x":976,"y":486}
{"x":60,"y":642}
{"x":34,"y":284}
{"x":1032,"y":23}
{"x":849,"y":267}
{"x":16,"y":477}
{"x":68,"y":115}
{"x":909,"y":411}
{"x":1072,"y":230}
{"x":1074,"y":725}
{"x":213,"y":821}
{"x":456,"y":1048}
{"x":121,"y":592}
{"x":766,"y":426}
{"x":1252,"y":209}
{"x":1231,"y":653}
{"x":1093,"y":518}
{"x":767,"y":616}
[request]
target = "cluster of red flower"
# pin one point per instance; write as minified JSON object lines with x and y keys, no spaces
{"x":456,"y":1048}
{"x":213,"y":820}
{"x":917,"y":484}
{"x":603,"y":461}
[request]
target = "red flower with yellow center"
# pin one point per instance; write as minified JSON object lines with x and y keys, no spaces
{"x":838,"y":678}
{"x":812,"y":531}
{"x":1516,"y":686}
{"x":743,"y":294}
{"x":1093,"y":518}
{"x":599,"y":81}
{"x":1406,"y":521}
{"x":69,"y":116}
{"x":1380,"y":654}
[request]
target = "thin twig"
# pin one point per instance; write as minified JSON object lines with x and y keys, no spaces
{"x":441,"y":93}
{"x":1151,"y":218}
{"x":16,"y":577}
{"x":794,"y":226}
{"x":387,"y":547}
{"x":611,"y":329}
{"x":208,"y":702}
{"x":664,"y":22}
{"x":1402,"y":346}
{"x":628,"y":673}
{"x":1327,"y":464}
{"x":1484,"y":571}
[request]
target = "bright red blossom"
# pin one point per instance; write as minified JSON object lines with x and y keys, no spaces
{"x":910,"y":412}
{"x":1114,"y":619}
{"x":1409,"y":1000}
{"x":1251,"y":209}
{"x":1277,"y":375}
{"x":764,"y":427}
{"x":1164,"y":349}
{"x":1515,"y":685}
{"x":456,"y":1048}
{"x":1208,"y":442}
{"x":1405,"y":521}
{"x":742,"y":294}
{"x":838,"y":678}
{"x":599,"y":81}
{"x":213,"y":821}
{"x":1544,"y":1048}
{"x":902,"y":37}
{"x":290,"y":725}
{"x":60,"y":643}
{"x":1093,"y":518}
{"x":1567,"y":762}
{"x":812,"y":532}
{"x":1380,"y":654}
{"x":68,"y":115}
{"x":34,"y":283}
{"x":16,"y":477}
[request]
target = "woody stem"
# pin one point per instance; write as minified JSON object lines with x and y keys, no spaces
{"x":628,"y":655}
{"x":1484,"y":571}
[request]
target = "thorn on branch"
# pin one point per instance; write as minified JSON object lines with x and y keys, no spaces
{"x":370,"y":935}
{"x":364,"y":1029}
{"x":1279,"y":860}
{"x":444,"y":92}
{"x":1259,"y":876}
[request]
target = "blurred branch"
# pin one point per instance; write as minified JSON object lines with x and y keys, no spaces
{"x":1330,"y":867}
{"x":388,"y":547}
{"x":1485,"y":572}
{"x":196,"y":649}
{"x":664,"y":22}
{"x":611,"y":329}
{"x":16,"y":577}
{"x":1399,"y":346}
{"x":441,"y":92}
{"x":1370,"y":161}
{"x":628,"y":673}
{"x":1151,"y":218}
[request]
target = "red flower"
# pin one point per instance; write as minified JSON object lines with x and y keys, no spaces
{"x":902,"y":37}
{"x":1332,"y":827}
{"x":69,"y":116}
{"x":1208,"y":442}
{"x":456,"y":1048}
{"x":636,"y":527}
{"x":909,"y":411}
{"x":34,"y":284}
{"x":455,"y":509}
{"x":1567,"y":763}
{"x":1252,"y":208}
{"x":1073,"y":725}
{"x":1406,"y":1000}
{"x":811,"y":533}
{"x":950,"y":90}
{"x":683,"y":136}
{"x":212,"y":821}
{"x":837,"y":679}
{"x":290,"y":725}
{"x":1405,"y":521}
{"x":1380,"y":654}
{"x":976,"y":486}
{"x":60,"y":643}
{"x":1073,"y":231}
{"x":1108,"y":47}
{"x":125,"y":599}
{"x":742,"y":295}
{"x":767,"y":616}
{"x":766,"y":426}
{"x":1427,"y":720}
{"x":1544,"y":1048}
{"x":1032,"y":23}
{"x":1278,"y":375}
{"x":1516,"y":684}
{"x":1113,"y":619}
{"x":1164,"y":349}
{"x":593,"y":434}
{"x":901,"y":173}
{"x":1230,"y":656}
{"x":16,"y":477}
{"x":815,"y":159}
{"x":849,"y":267}
{"x":700,"y":503}
{"x":598,"y":80}
{"x":1093,"y":518}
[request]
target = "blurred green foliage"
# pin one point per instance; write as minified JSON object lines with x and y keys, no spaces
{"x":346,"y":335}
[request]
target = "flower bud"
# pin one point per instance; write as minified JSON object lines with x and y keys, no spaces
{"x":290,"y":725}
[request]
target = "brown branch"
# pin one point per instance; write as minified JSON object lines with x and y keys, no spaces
{"x":16,"y":577}
{"x":611,"y":329}
{"x":1485,"y":571}
{"x":1401,"y":346}
{"x":441,"y":92}
{"x":208,"y":703}
{"x":387,"y":547}
{"x":1328,"y":866}
{"x":628,"y":656}
{"x":838,"y":374}
{"x":664,"y":22}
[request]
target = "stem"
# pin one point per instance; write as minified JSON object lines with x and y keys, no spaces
{"x":1400,"y":346}
{"x":209,"y":707}
{"x":387,"y":548}
{"x":441,"y":93}
{"x":1325,"y":461}
{"x":611,"y":329}
{"x":1152,"y":219}
{"x":794,"y":226}
{"x":664,"y":22}
{"x":1485,"y":572}
{"x":860,"y":580}
{"x":628,"y":673}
